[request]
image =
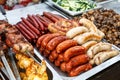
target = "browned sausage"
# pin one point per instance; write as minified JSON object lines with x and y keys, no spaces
{"x":41,"y":49}
{"x":54,"y":54}
{"x":44,"y":22}
{"x":50,"y":16}
{"x":48,"y":38}
{"x":58,"y":17}
{"x":55,"y":41}
{"x":26,"y":31}
{"x":60,"y":57}
{"x":47,"y":19}
{"x":75,"y":61}
{"x":31,"y":26}
{"x":73,"y":51}
{"x":63,"y":66}
{"x":29,"y":20}
{"x":36,"y":36}
{"x":41,"y":26}
{"x":82,"y":68}
{"x":51,"y":58}
{"x":40,"y":39}
{"x":65,"y":45}
{"x":33,"y":21}
{"x":57,"y":63}
{"x":55,"y":16}
{"x":23,"y":33}
{"x":46,"y":52}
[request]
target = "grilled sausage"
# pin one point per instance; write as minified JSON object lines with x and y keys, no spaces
{"x":55,"y":41}
{"x":82,"y":68}
{"x":81,"y":39}
{"x":31,"y":26}
{"x":102,"y":56}
{"x":76,"y":31}
{"x":73,"y":51}
{"x":92,"y":51}
{"x":40,"y":39}
{"x":63,"y":66}
{"x":48,"y":38}
{"x":88,"y":44}
{"x":65,"y":45}
{"x":75,"y":61}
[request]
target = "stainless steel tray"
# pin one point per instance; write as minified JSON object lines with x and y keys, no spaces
{"x":72,"y":13}
{"x":84,"y":75}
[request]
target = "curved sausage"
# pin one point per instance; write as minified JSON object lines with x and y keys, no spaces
{"x":57,"y":63}
{"x":51,"y":58}
{"x":73,"y":51}
{"x":40,"y":39}
{"x":63,"y":66}
{"x":82,"y":68}
{"x":88,"y":44}
{"x":55,"y":41}
{"x":41,"y":49}
{"x":48,"y":38}
{"x":46,"y":52}
{"x":89,"y":24}
{"x":65,"y":45}
{"x":60,"y":57}
{"x":102,"y":56}
{"x":54,"y":54}
{"x":75,"y":61}
{"x":81,"y":39}
{"x":92,"y":51}
{"x":76,"y":31}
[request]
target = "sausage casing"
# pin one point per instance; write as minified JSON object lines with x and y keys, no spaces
{"x":80,"y":69}
{"x":40,"y":39}
{"x":65,"y":45}
{"x":48,"y":38}
{"x":55,"y":41}
{"x":75,"y":61}
{"x":73,"y":51}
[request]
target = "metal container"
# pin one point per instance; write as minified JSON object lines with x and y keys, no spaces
{"x":72,"y":13}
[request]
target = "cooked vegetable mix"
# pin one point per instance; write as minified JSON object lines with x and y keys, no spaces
{"x":75,"y":5}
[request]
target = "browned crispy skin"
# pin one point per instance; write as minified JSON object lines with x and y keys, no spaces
{"x":65,"y":45}
{"x":73,"y":51}
{"x":55,"y":41}
{"x":82,"y":68}
{"x":75,"y":61}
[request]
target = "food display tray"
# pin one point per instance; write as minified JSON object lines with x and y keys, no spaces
{"x":72,"y":13}
{"x":86,"y":74}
